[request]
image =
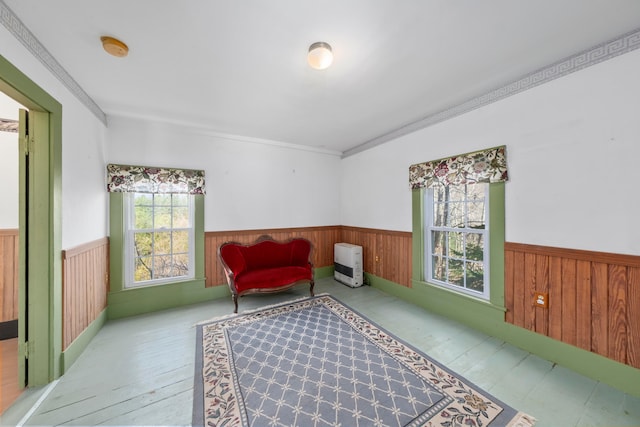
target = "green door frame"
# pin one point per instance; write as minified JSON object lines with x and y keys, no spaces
{"x":44,"y":286}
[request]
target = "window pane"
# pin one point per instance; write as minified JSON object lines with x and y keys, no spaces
{"x":181,"y":265}
{"x":165,"y":249}
{"x":439,"y":271}
{"x":143,"y":199}
{"x":476,"y":215}
{"x":162,"y":217}
{"x":438,"y":242}
{"x":456,"y":245}
{"x":162,"y":267}
{"x":438,"y":214}
{"x":475,"y":247}
{"x":457,"y":193}
{"x":143,"y":269}
{"x":180,"y":217}
{"x":440,"y":193}
{"x":475,"y":192}
{"x":180,"y":200}
{"x":456,"y":215}
{"x":475,"y":276}
{"x":143,"y":217}
{"x":457,"y":258}
{"x":180,"y":241}
{"x":162,"y":243}
{"x":456,"y":272}
{"x":162,"y":199}
{"x":143,"y":244}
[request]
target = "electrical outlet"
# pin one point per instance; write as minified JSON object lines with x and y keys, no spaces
{"x":377,"y":258}
{"x":541,"y":299}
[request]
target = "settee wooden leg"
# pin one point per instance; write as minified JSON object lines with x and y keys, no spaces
{"x":311,"y":287}
{"x":235,"y":302}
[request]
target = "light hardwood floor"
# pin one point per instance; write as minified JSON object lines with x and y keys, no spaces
{"x":139,"y":370}
{"x":9,"y":388}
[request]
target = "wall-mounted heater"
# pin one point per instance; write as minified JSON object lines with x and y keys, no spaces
{"x":347,"y":263}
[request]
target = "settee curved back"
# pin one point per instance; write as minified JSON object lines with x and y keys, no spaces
{"x":266,"y":266}
{"x":265,"y":254}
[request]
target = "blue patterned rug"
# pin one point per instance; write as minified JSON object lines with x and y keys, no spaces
{"x":315,"y":362}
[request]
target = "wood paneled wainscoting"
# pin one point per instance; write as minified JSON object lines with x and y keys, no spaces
{"x":9,"y":255}
{"x":10,"y":389}
{"x":593,"y":298}
{"x":85,"y":285}
{"x":322,"y":239}
{"x":386,"y":254}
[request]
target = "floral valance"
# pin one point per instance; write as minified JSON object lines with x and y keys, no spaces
{"x":481,"y":166}
{"x":142,"y":179}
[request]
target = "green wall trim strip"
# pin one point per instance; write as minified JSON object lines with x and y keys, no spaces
{"x":490,"y":320}
{"x":131,"y":302}
{"x":322,"y":272}
{"x":71,"y":354}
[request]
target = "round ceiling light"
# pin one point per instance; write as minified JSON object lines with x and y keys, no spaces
{"x":320,"y":55}
{"x":114,"y":46}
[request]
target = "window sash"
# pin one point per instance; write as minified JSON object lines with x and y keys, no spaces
{"x":429,"y":254}
{"x":131,"y":257}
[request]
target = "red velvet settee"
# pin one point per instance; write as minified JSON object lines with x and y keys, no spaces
{"x":266,"y":266}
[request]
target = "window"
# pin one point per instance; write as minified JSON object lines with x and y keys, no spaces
{"x":159,"y":238}
{"x":456,"y":237}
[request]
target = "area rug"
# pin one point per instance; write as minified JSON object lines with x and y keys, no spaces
{"x":316,"y":362}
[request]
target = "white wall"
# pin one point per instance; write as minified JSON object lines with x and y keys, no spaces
{"x":9,"y":187}
{"x":249,"y":185}
{"x":573,"y":146}
{"x":84,"y":198}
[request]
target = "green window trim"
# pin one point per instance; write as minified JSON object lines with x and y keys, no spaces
{"x":496,"y":246}
{"x":124,"y":301}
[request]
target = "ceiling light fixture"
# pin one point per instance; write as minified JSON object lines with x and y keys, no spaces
{"x":320,"y":55}
{"x":114,"y":47}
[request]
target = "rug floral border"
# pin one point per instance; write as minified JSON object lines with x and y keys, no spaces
{"x":465,"y":406}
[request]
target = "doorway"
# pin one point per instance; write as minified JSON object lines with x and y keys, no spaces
{"x":39,"y":261}
{"x":11,"y":382}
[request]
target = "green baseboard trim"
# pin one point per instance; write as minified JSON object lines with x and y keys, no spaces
{"x":221,"y":291}
{"x":71,"y":354}
{"x":618,"y":375}
{"x":131,"y":302}
{"x":489,"y":319}
{"x":322,"y":272}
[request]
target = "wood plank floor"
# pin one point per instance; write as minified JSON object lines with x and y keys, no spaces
{"x":139,"y":371}
{"x":9,"y":388}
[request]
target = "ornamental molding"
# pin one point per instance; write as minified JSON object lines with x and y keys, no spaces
{"x":600,"y":53}
{"x":595,"y":55}
{"x":20,"y":31}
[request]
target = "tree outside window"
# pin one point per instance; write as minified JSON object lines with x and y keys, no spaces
{"x":159,"y":238}
{"x":456,"y":237}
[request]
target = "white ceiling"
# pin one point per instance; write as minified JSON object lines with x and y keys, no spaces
{"x":239,"y":67}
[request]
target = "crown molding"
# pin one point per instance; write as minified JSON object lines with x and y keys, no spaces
{"x":20,"y":31}
{"x":595,"y":55}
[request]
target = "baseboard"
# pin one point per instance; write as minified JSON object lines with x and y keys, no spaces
{"x":71,"y":353}
{"x":489,"y":319}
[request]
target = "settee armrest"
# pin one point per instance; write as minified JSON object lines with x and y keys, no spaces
{"x":232,"y":259}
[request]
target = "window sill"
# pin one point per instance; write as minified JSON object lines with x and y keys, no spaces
{"x":452,"y":293}
{"x":160,"y":283}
